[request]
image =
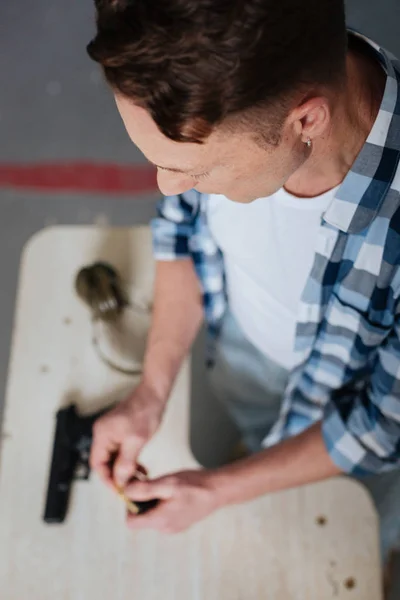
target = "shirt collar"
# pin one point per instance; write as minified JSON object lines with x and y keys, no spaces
{"x":362,"y":192}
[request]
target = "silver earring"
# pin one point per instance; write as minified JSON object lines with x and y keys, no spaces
{"x":308,"y":143}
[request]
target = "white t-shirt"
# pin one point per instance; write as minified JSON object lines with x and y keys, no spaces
{"x":268,"y":248}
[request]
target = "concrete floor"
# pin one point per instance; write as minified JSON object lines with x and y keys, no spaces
{"x":54,"y":106}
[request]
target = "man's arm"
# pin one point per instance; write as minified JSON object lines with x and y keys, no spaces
{"x":121,"y":434}
{"x":176,"y":320}
{"x":178,"y":306}
{"x":359,"y":434}
{"x":192,"y":495}
{"x":297,"y":461}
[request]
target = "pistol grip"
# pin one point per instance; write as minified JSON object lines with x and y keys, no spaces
{"x":63,"y":463}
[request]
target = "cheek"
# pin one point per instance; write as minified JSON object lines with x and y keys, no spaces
{"x":280,"y":165}
{"x":293,"y":154}
{"x":264,"y":176}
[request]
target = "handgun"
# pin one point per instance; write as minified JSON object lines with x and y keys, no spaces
{"x":70,"y":461}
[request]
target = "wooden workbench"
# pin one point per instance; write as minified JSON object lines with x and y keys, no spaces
{"x":314,"y":543}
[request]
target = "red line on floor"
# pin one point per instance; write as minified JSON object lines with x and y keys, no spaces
{"x":83,"y":177}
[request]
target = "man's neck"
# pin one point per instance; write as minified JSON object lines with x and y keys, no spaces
{"x":354,"y":114}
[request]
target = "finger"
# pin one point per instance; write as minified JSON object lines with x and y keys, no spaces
{"x":154,"y":519}
{"x":148,"y":490}
{"x":100,"y":457}
{"x":105,"y":474}
{"x":125,"y":464}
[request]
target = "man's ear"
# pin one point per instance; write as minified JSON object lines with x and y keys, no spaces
{"x":311,"y":119}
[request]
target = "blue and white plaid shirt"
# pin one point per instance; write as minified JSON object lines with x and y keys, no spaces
{"x":347,"y":344}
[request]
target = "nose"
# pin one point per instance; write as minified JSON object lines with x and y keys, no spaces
{"x":171,"y":184}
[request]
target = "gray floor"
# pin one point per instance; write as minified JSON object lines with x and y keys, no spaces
{"x":54,"y":106}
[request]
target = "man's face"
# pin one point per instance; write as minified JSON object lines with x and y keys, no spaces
{"x":231,"y":164}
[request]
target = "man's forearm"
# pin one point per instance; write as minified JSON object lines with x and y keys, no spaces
{"x":297,"y":461}
{"x":176,"y":319}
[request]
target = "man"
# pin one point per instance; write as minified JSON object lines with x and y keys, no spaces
{"x":276,"y":135}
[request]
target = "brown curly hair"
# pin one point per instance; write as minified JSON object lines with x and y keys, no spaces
{"x":195,"y":63}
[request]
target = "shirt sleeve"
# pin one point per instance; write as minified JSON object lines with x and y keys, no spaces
{"x":362,"y":430}
{"x":173,"y":226}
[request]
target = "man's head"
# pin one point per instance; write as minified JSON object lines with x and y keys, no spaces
{"x":223,"y":94}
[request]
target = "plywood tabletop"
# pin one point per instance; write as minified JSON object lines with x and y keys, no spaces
{"x":314,"y":543}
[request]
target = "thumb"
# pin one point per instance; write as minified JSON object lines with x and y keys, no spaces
{"x":125,"y":464}
{"x":159,"y":489}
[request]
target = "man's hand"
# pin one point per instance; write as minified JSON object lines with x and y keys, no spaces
{"x":185,"y":498}
{"x":120,"y":435}
{"x":189,"y":496}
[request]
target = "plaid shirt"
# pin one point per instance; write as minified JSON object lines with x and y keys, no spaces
{"x":347,"y":346}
